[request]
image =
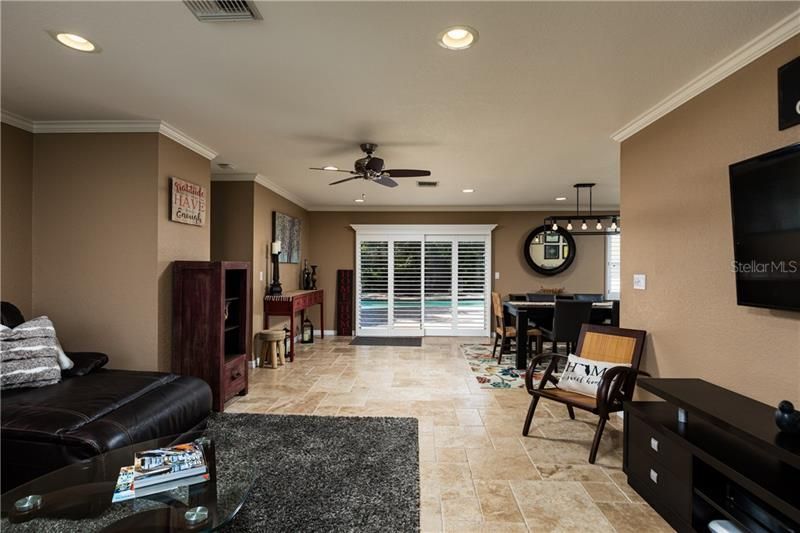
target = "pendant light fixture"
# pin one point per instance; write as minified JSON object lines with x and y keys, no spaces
{"x":599,"y":229}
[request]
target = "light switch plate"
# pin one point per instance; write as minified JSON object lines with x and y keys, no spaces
{"x":261,"y":276}
{"x":640,"y":281}
{"x":497,"y":275}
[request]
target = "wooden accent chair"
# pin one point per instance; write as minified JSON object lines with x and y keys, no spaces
{"x":503,"y":334}
{"x":600,"y":343}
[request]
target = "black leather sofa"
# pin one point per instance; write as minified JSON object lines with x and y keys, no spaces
{"x":91,"y":411}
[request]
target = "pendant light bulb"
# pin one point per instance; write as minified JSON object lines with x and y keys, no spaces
{"x":613,"y":226}
{"x":569,"y":225}
{"x":554,"y":227}
{"x":599,"y":225}
{"x":584,"y":226}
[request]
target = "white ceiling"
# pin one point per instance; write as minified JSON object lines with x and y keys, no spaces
{"x":520,"y":117}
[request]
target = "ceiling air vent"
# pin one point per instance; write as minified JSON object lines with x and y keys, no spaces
{"x":427,"y":184}
{"x":223,"y":10}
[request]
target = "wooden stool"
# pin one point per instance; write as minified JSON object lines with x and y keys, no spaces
{"x":272,"y":344}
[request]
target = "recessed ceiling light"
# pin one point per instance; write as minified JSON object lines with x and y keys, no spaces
{"x":467,"y":190}
{"x":330,"y":167}
{"x":359,"y":200}
{"x":457,"y":37}
{"x":560,"y":198}
{"x":76,"y":42}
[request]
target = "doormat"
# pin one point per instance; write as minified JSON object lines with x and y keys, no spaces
{"x":387,"y":341}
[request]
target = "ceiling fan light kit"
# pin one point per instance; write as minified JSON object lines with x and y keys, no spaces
{"x":600,"y":229}
{"x":370,"y":168}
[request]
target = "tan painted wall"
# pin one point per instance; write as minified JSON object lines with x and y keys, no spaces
{"x":177,"y":241}
{"x":676,"y":212}
{"x":16,"y":189}
{"x":333,"y":248}
{"x":264,"y":203}
{"x":94,"y":242}
{"x":242,"y":230}
{"x":232,"y":221}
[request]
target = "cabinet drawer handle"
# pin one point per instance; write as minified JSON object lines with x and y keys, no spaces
{"x":654,"y":443}
{"x":236,"y":375}
{"x":653,"y":476}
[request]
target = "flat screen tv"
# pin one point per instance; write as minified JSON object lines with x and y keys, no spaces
{"x":765,"y":204}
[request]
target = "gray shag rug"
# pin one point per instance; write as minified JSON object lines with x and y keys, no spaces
{"x":312,"y":473}
{"x":387,"y":341}
{"x":318,"y":473}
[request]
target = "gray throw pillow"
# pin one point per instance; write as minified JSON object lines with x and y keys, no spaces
{"x":29,"y":355}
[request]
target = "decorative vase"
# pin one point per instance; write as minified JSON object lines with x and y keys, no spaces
{"x":786,"y":418}
{"x":314,"y":277}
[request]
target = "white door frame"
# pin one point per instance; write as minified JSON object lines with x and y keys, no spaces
{"x":392,"y":232}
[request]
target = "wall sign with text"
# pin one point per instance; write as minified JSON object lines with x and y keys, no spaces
{"x":187,"y":202}
{"x":789,"y":94}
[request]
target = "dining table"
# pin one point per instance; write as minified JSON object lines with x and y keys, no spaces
{"x":539,"y":313}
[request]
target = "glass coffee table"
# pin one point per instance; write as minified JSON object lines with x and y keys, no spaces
{"x":78,"y":497}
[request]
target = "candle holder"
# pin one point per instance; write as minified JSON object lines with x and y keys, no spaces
{"x":275,"y":287}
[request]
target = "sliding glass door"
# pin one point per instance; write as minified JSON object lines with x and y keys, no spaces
{"x":425,"y":283}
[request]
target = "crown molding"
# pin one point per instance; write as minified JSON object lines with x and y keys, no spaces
{"x":456,"y":208}
{"x":429,"y":229}
{"x":779,"y":33}
{"x":171,"y":132}
{"x":12,"y":119}
{"x":264,"y":182}
{"x":110,"y":126}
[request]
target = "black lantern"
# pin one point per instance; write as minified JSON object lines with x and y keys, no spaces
{"x":307,"y":334}
{"x":287,"y":343}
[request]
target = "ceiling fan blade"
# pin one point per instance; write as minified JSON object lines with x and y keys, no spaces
{"x":346,"y":179}
{"x":406,"y":173}
{"x":331,"y":170}
{"x":386,"y":181}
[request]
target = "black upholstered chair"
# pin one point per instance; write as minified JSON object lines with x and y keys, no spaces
{"x":568,"y":318}
{"x":588,"y":297}
{"x":540,"y":297}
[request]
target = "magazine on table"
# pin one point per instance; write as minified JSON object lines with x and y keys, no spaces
{"x":161,"y":470}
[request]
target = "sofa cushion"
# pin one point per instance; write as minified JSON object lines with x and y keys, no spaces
{"x":29,"y":355}
{"x":84,"y":362}
{"x":74,"y":403}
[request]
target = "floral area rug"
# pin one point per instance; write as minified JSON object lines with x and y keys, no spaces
{"x":489,"y":373}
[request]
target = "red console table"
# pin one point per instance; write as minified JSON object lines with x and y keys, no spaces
{"x":291,"y":303}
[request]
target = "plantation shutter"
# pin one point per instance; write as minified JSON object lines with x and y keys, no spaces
{"x":373,"y":286}
{"x":438,"y":284}
{"x":472,"y":290}
{"x":613,"y":273}
{"x":407,"y":284}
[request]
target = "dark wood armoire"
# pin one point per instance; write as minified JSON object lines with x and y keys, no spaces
{"x":211,"y":338}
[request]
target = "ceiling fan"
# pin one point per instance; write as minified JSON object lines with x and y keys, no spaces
{"x":371,"y":168}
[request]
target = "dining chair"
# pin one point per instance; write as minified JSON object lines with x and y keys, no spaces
{"x":540,"y":297}
{"x":586,"y":297}
{"x":599,"y":343}
{"x":505,"y":333}
{"x":568,"y":317}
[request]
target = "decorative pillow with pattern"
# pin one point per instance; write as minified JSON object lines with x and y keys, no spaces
{"x":583,"y":375}
{"x":29,"y":355}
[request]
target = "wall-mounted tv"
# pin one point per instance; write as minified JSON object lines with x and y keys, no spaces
{"x":765,"y":204}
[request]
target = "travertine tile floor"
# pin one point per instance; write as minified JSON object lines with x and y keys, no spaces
{"x":477,"y":471}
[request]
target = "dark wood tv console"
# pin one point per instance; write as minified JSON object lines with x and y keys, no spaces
{"x":707,"y":453}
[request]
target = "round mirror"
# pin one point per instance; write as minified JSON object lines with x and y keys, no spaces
{"x":549,"y":252}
